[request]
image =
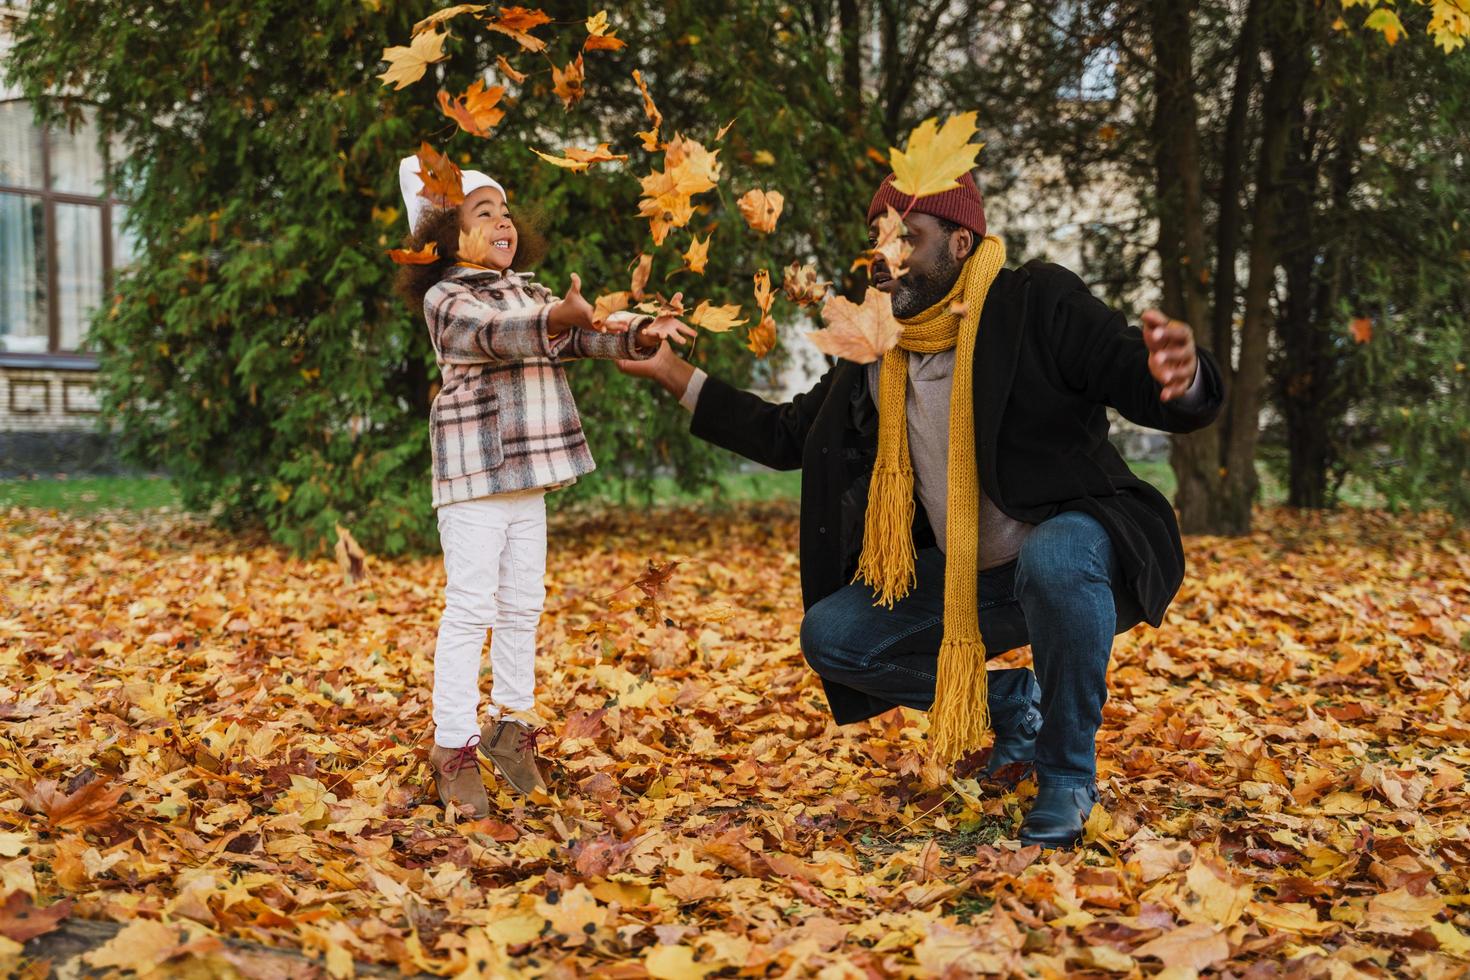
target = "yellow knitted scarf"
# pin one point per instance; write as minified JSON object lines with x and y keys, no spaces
{"x":960,"y":715}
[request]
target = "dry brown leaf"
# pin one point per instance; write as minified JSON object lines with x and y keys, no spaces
{"x":861,"y":333}
{"x":446,"y":14}
{"x":442,"y":179}
{"x":508,"y":70}
{"x":642,"y":267}
{"x":649,"y":138}
{"x":800,"y":285}
{"x":517,"y":23}
{"x":568,"y":83}
{"x":427,"y":255}
{"x":696,"y":257}
{"x":475,"y":111}
{"x":761,"y":209}
{"x":350,"y":556}
{"x":716,"y":319}
{"x":407,"y":65}
{"x":599,"y":37}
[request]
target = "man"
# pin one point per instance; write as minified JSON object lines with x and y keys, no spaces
{"x":1059,"y":544}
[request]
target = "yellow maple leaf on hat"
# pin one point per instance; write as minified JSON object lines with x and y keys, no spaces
{"x":935,"y":156}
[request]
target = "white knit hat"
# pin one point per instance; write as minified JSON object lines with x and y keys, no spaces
{"x":410,"y":183}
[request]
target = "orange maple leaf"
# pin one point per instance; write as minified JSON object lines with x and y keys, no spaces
{"x":640,"y":275}
{"x":443,"y":185}
{"x":761,"y":209}
{"x":427,"y":255}
{"x":599,"y":37}
{"x":517,"y":22}
{"x":801,"y":286}
{"x":649,"y":137}
{"x":861,"y":333}
{"x":508,"y":70}
{"x":1361,"y":329}
{"x":697,"y":257}
{"x":569,"y":82}
{"x":577,"y":159}
{"x":475,"y":110}
{"x":474,"y":245}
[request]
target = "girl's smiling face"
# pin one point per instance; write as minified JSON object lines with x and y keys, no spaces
{"x":485,"y":208}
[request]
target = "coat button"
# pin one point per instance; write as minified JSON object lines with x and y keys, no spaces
{"x":824,"y":450}
{"x":821,"y":530}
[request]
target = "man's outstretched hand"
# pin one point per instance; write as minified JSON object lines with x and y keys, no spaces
{"x":665,"y":367}
{"x":1171,"y":357}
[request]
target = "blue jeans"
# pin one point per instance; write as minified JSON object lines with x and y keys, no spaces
{"x":1058,"y":595}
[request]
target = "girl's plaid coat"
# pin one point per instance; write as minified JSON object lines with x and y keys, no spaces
{"x":504,"y":419}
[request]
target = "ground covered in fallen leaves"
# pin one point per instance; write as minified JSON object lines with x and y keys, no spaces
{"x":213,"y":741}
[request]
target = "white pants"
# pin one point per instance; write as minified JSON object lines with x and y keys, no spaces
{"x":495,"y":566}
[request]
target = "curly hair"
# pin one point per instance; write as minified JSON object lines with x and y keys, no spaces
{"x":441,"y":226}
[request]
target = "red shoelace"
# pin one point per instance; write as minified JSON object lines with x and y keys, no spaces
{"x":528,"y":739}
{"x":463,"y":757}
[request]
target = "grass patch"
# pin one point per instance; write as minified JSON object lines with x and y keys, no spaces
{"x":90,"y":494}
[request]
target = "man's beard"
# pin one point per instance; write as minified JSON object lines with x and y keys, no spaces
{"x":916,"y":291}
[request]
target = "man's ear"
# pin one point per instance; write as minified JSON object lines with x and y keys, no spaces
{"x":961,"y":243}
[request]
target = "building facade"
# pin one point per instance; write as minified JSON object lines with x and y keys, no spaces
{"x":61,"y":240}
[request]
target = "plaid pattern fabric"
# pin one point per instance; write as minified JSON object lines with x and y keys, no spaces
{"x":504,"y":419}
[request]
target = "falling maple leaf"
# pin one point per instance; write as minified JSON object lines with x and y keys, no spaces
{"x":475,"y":110}
{"x":723,"y":130}
{"x":689,"y":169}
{"x":659,"y":306}
{"x":447,"y":14}
{"x":1387,"y":23}
{"x":649,"y":137}
{"x":577,"y":160}
{"x":891,"y":243}
{"x":427,"y":255}
{"x":568,"y":83}
{"x":642,"y":267}
{"x":407,"y":65}
{"x":1362,"y":329}
{"x":763,"y":294}
{"x":474,"y":245}
{"x":801,"y":286}
{"x":442,"y":180}
{"x":599,"y":38}
{"x":934,"y":158}
{"x":697,"y":256}
{"x":517,"y":23}
{"x":861,"y":333}
{"x":761,"y":339}
{"x":716,"y":319}
{"x":508,"y":70}
{"x":350,"y":556}
{"x":761,"y":209}
{"x":608,"y":304}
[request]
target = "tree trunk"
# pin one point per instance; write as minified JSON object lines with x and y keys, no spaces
{"x":1197,"y":458}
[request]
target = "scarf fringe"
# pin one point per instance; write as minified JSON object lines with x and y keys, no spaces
{"x":960,"y":716}
{"x":888,"y":557}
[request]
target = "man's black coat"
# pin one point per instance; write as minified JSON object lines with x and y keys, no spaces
{"x":1049,"y":358}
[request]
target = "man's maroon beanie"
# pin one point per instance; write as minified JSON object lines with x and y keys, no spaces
{"x":963,"y":204}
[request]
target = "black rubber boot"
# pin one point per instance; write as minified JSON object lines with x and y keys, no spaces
{"x":1057,"y":815}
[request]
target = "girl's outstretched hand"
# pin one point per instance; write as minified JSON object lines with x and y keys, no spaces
{"x":572,"y":311}
{"x":665,"y":328}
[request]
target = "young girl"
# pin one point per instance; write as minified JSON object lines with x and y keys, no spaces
{"x":504,"y":430}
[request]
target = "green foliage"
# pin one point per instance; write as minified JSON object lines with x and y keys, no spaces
{"x":257,"y":351}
